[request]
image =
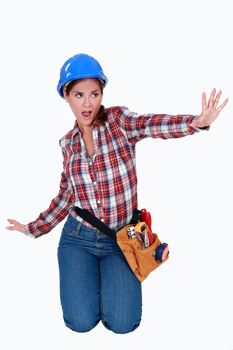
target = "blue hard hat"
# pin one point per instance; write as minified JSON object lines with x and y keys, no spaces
{"x":80,"y":66}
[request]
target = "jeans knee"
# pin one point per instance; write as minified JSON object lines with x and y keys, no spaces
{"x":81,"y":326}
{"x":120,"y":328}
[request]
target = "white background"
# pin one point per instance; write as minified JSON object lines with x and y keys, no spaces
{"x":159,"y":57}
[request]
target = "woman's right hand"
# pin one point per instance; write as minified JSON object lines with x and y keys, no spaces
{"x":16,"y":226}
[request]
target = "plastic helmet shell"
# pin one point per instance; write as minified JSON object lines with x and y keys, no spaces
{"x":80,"y":66}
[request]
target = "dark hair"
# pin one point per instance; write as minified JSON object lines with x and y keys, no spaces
{"x":68,"y":87}
{"x":101,"y":116}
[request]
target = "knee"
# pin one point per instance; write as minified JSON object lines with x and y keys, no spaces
{"x":121,"y":327}
{"x":80,"y":326}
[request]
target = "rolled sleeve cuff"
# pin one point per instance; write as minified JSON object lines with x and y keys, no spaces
{"x":28,"y":232}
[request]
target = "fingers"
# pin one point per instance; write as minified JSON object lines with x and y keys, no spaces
{"x":11,"y":221}
{"x":13,"y":224}
{"x":211,"y":99}
{"x":210,"y":110}
{"x":204,"y":104}
{"x":217,"y":99}
{"x":11,"y":228}
{"x":222,"y":105}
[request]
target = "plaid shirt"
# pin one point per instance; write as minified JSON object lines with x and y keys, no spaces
{"x":106,"y":184}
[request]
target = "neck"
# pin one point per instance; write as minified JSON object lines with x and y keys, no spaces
{"x":87,"y":130}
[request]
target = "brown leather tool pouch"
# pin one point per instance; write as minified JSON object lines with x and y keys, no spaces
{"x":141,"y":260}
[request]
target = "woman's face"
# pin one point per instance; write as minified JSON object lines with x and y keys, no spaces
{"x":85,"y":99}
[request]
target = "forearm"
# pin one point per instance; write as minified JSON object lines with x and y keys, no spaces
{"x":167,"y":126}
{"x":138,"y":127}
{"x":45,"y":222}
{"x":57,"y":211}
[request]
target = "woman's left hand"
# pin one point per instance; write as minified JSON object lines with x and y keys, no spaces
{"x":210,"y":110}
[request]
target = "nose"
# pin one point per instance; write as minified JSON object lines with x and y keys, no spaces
{"x":86,"y":101}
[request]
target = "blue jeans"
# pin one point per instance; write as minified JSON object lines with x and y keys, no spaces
{"x":96,"y":282}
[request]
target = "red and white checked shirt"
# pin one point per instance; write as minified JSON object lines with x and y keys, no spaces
{"x":106,"y":184}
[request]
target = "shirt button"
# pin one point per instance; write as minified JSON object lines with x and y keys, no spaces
{"x":94,"y":183}
{"x":90,"y":163}
{"x":98,"y":201}
{"x":102,"y":219}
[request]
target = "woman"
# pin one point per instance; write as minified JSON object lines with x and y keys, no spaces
{"x":99,"y":174}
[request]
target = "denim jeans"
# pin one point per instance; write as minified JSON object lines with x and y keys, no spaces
{"x":96,"y":282}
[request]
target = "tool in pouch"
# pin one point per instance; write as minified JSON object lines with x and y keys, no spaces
{"x":142,"y":230}
{"x":142,"y":249}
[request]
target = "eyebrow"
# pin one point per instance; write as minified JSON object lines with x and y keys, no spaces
{"x":80,"y":92}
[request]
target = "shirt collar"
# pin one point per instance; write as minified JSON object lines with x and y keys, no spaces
{"x":97,"y":123}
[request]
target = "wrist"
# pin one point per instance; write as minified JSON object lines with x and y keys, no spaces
{"x":198,"y":123}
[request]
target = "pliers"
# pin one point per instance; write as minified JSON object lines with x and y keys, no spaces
{"x":146,"y":217}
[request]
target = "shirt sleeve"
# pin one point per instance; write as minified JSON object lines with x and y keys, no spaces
{"x":57,"y":211}
{"x":139,"y":126}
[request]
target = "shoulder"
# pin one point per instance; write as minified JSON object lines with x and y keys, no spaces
{"x":67,"y":138}
{"x":115,"y":113}
{"x":115,"y":109}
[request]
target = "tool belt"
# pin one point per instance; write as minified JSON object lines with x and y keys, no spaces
{"x":142,"y":249}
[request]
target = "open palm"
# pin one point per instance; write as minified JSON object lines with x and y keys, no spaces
{"x":210,"y":110}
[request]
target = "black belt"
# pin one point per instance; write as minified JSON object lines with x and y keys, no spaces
{"x":100,"y":225}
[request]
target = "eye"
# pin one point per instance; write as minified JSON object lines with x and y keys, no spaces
{"x":95,"y":94}
{"x":78,"y":95}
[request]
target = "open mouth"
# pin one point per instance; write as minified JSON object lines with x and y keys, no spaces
{"x":86,"y":114}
